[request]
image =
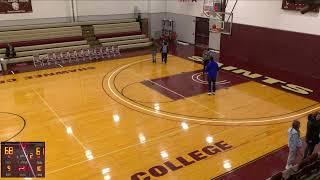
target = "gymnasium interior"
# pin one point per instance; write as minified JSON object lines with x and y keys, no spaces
{"x":82,"y":98}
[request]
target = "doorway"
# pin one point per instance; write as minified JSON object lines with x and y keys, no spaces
{"x":202,"y":32}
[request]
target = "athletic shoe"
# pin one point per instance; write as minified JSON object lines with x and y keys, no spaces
{"x":209,"y":93}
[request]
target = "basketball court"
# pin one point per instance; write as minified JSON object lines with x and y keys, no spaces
{"x":130,"y":118}
{"x":124,"y":117}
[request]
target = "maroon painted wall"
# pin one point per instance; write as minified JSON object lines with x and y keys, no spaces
{"x":291,"y":56}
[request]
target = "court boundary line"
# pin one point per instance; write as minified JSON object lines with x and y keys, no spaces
{"x":118,"y":150}
{"x":124,"y":148}
{"x":123,"y":90}
{"x":207,"y":120}
{"x":147,"y":79}
{"x":248,"y":163}
{"x":112,"y":151}
{"x":59,"y":118}
{"x":206,"y":124}
{"x":195,"y":102}
{"x":23,"y":126}
{"x":200,"y":81}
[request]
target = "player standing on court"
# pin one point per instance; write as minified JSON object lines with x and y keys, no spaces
{"x":205,"y":59}
{"x":313,"y":133}
{"x":294,"y":143}
{"x":154,"y":51}
{"x":164,"y":52}
{"x":212,"y":69}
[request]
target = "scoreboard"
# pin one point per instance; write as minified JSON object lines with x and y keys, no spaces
{"x":23,"y":159}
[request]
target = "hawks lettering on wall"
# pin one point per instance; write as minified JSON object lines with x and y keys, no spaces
{"x":15,"y":6}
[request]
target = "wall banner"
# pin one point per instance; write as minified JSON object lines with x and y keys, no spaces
{"x":15,"y":6}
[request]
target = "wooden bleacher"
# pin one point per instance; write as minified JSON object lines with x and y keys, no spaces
{"x":124,"y":40}
{"x":116,"y":30}
{"x":49,"y":38}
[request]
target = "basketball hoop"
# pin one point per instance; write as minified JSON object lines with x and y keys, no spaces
{"x":215,"y":29}
{"x":220,"y":22}
{"x":212,"y":6}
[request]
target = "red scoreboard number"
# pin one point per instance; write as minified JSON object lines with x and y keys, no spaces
{"x":23,"y":159}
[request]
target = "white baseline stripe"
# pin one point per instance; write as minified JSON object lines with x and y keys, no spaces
{"x":58,"y":117}
{"x":121,"y":149}
{"x":195,"y":102}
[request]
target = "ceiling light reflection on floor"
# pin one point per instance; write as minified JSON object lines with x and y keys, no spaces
{"x":184,"y":126}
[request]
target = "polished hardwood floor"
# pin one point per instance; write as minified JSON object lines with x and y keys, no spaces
{"x":100,"y":121}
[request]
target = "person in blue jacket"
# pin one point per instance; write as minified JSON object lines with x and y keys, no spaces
{"x":212,"y":70}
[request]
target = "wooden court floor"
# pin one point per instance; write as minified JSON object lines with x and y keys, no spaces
{"x":99,"y":121}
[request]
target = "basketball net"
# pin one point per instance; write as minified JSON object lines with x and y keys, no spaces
{"x":215,"y":29}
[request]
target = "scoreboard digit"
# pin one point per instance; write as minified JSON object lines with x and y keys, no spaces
{"x":23,"y":159}
{"x":8,"y":150}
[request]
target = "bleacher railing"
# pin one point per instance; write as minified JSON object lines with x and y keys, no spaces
{"x":76,"y":56}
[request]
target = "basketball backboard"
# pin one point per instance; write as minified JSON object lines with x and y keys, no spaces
{"x":211,"y":6}
{"x":221,"y":22}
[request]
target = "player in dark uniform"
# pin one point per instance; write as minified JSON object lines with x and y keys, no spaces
{"x":164,"y":52}
{"x":206,"y":59}
{"x":212,"y":69}
{"x":154,"y":50}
